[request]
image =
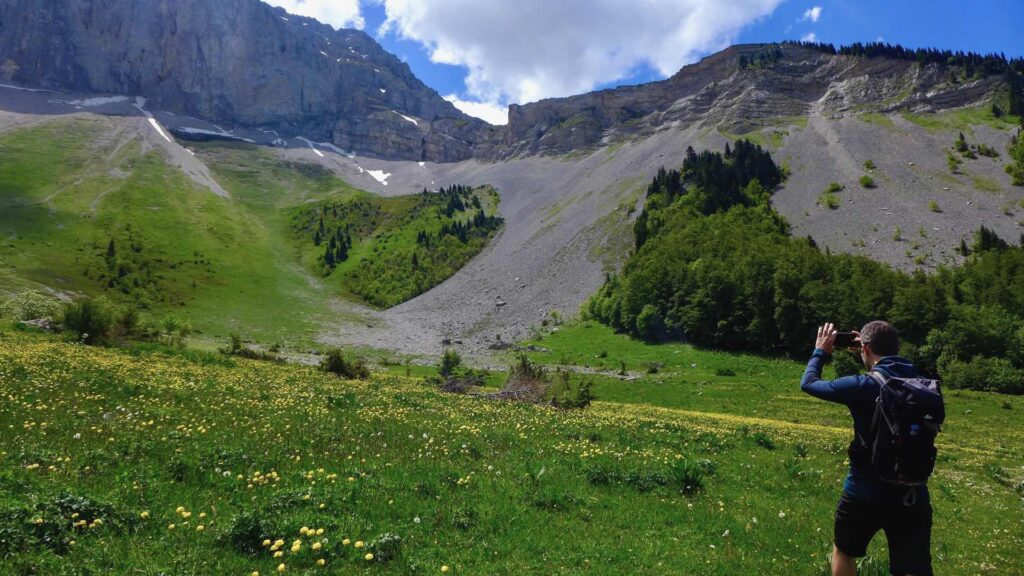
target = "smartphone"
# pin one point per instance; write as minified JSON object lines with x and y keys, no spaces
{"x":846,"y":340}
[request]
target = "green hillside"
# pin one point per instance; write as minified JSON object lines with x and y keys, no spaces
{"x":116,"y":462}
{"x":385,"y":251}
{"x":86,"y":210}
{"x":69,"y":189}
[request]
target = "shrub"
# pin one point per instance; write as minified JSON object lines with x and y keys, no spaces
{"x":867,"y":181}
{"x":649,"y":323}
{"x":29,"y":305}
{"x":92,"y":320}
{"x":763,"y":440}
{"x":829,"y":200}
{"x":567,"y":394}
{"x":688,"y":475}
{"x":953,"y":163}
{"x":725,"y":372}
{"x":386,"y":547}
{"x":248,"y":531}
{"x":335,"y":362}
{"x":237,"y":348}
{"x":450,"y":362}
{"x":526,"y":381}
{"x":987,"y":151}
{"x":174,"y":330}
{"x":846,"y":363}
{"x":834,"y":187}
{"x":869,"y":164}
{"x":934,"y":206}
{"x":984,"y":373}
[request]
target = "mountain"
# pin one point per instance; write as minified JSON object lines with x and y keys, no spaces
{"x":240,"y":63}
{"x":311,"y":112}
{"x":744,"y":88}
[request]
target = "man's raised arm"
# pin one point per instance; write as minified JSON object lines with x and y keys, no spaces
{"x":841,"y":390}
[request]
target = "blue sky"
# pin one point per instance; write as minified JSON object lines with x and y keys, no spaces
{"x":484,"y":55}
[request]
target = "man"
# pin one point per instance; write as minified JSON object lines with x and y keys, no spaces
{"x":869,"y":504}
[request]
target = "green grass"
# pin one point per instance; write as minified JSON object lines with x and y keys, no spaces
{"x":226,"y":265}
{"x":387,"y":263}
{"x":829,"y":200}
{"x":986,"y":184}
{"x":741,"y":384}
{"x":878,"y":119}
{"x":962,"y":119}
{"x":771,"y":137}
{"x":254,"y":451}
{"x":229,"y":272}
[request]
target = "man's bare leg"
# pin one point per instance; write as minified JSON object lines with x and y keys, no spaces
{"x":842,"y":565}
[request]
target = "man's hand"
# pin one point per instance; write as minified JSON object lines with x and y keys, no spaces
{"x":826,"y":338}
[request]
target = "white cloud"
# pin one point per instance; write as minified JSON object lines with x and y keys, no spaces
{"x":809,"y":37}
{"x":813,"y":14}
{"x":488,"y":112}
{"x":337,"y":13}
{"x":524,"y":50}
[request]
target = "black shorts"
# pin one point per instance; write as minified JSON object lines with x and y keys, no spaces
{"x":907,"y":528}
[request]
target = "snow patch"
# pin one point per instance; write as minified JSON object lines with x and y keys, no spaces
{"x":324,"y":53}
{"x":221,"y":134}
{"x":328,"y":146}
{"x":379,"y":176}
{"x":383,"y":91}
{"x":140,"y":103}
{"x":422,"y":164}
{"x":97,"y":101}
{"x":311,"y":146}
{"x":12,"y":87}
{"x":414,"y":122}
{"x":159,"y":129}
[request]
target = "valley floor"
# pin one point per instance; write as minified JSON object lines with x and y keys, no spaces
{"x":121,"y":462}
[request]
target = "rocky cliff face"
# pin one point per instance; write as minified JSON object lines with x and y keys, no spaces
{"x":239,"y":63}
{"x":717,"y":93}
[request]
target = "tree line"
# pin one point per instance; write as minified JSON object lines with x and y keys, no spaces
{"x":984,"y":64}
{"x":727,"y":273}
{"x":973,"y":64}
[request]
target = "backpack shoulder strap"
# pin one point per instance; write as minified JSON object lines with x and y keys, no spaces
{"x":877,"y":375}
{"x":882,"y":380}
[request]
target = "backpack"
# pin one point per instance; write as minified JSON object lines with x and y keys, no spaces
{"x":908,"y":415}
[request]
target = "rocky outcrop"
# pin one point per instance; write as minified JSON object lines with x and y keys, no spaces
{"x":240,"y":63}
{"x":717,"y":93}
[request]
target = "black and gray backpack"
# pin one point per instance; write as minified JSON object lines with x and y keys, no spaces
{"x":908,"y":416}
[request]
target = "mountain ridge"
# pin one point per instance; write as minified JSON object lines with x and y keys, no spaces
{"x":719,"y":92}
{"x":247,"y":64}
{"x":237,"y":62}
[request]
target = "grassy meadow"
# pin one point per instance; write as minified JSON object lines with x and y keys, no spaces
{"x":69,"y":187}
{"x":150,"y":462}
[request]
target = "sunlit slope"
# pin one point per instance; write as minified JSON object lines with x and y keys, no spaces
{"x":110,"y":450}
{"x":71,"y":186}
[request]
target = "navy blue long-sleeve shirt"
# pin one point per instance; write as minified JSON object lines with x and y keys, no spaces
{"x":859,"y":393}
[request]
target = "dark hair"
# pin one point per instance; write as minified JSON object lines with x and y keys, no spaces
{"x":881,"y":337}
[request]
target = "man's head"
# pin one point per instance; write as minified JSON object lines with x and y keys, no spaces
{"x":878,"y":339}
